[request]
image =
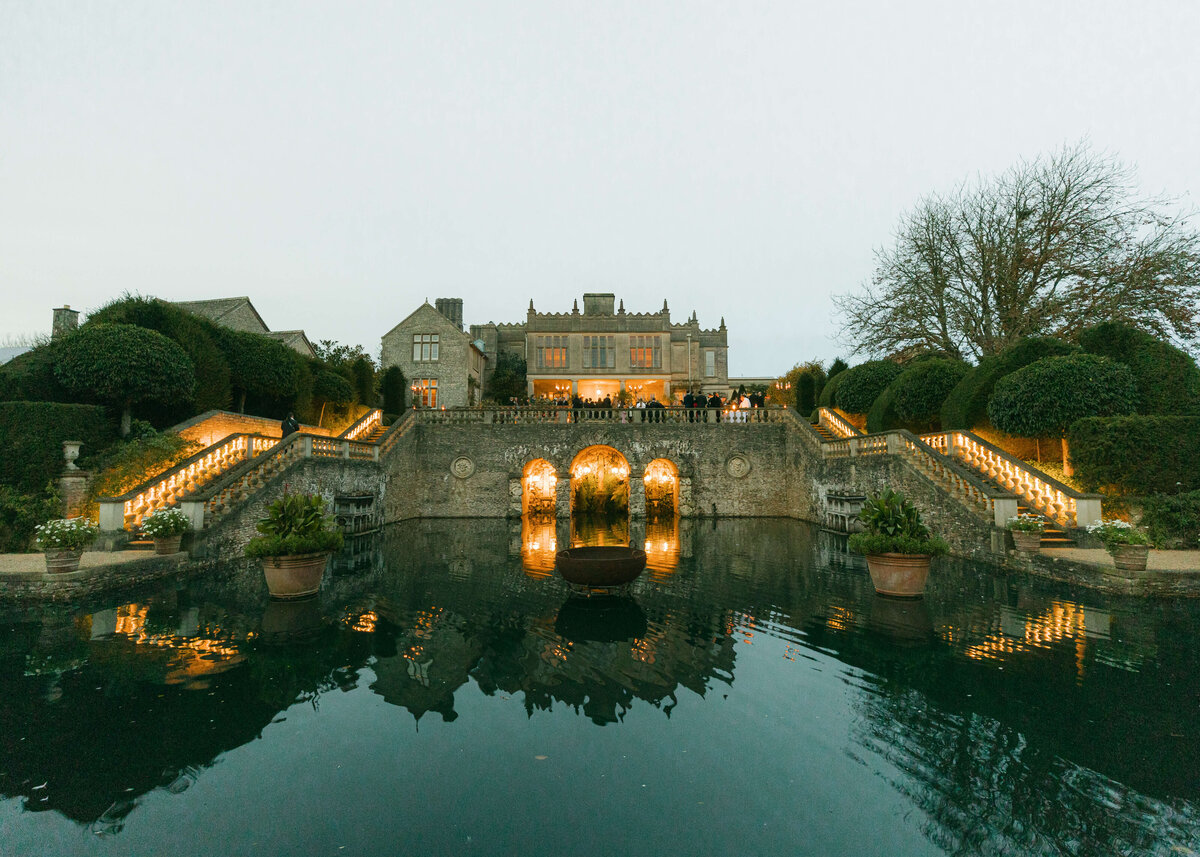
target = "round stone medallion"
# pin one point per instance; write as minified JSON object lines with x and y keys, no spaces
{"x":737,"y":466}
{"x":462,"y":467}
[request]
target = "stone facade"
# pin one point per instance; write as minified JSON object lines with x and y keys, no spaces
{"x":444,"y":372}
{"x":605,"y":350}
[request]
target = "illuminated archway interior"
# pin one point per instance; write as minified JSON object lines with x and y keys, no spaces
{"x":600,"y":482}
{"x":662,"y":488}
{"x":538,"y":483}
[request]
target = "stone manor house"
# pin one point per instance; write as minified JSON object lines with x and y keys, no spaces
{"x":601,"y":351}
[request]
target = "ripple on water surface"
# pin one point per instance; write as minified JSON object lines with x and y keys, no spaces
{"x":447,"y":693}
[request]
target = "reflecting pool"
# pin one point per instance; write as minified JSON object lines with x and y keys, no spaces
{"x":447,"y":693}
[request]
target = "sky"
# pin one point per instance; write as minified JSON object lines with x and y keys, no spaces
{"x":340,"y":162}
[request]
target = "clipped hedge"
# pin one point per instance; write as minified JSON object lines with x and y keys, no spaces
{"x":914,"y":399}
{"x":859,"y":386}
{"x":1137,"y":454}
{"x":829,"y":391}
{"x":966,"y":405}
{"x":30,"y":377}
{"x":1168,"y":380}
{"x":1172,"y":521}
{"x":1044,"y":398}
{"x":32,"y":454}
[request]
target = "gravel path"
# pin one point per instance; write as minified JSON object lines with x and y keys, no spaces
{"x":33,"y":562}
{"x":1157,"y":560}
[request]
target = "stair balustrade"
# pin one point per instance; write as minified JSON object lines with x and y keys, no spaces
{"x":836,"y":424}
{"x":364,"y":426}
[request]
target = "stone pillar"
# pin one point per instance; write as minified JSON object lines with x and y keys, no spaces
{"x":637,"y":496}
{"x":686,"y":508}
{"x":73,"y":486}
{"x":894,"y":444}
{"x":194,"y":509}
{"x":516,"y":503}
{"x":112,"y":516}
{"x":1088,"y":510}
{"x":1003,"y":508}
{"x":562,"y":494}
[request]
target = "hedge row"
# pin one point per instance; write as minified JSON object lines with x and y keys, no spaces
{"x":1168,"y":380}
{"x":33,"y":433}
{"x":966,"y":406}
{"x":1137,"y":454}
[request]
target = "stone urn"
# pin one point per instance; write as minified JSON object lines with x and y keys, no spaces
{"x":168,"y":544}
{"x":1027,"y":542}
{"x":71,"y":452}
{"x":63,"y":560}
{"x":294,"y":576}
{"x":1130,"y":557}
{"x":900,"y":575}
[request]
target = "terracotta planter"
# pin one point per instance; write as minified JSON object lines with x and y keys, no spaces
{"x":294,"y":576}
{"x":1027,"y":542}
{"x":901,"y":575}
{"x":1130,"y":557}
{"x":168,"y":544}
{"x":63,"y":561}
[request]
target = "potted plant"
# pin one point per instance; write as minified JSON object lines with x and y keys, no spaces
{"x":166,"y":527}
{"x":1026,"y":529}
{"x":1128,"y":545}
{"x":63,"y":541}
{"x":897,"y":544}
{"x":297,"y":539}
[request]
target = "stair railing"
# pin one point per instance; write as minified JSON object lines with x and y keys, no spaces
{"x":127,"y":511}
{"x":836,"y":424}
{"x":1058,"y":502}
{"x":364,"y":425}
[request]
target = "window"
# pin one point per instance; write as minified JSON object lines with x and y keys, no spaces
{"x":551,"y":352}
{"x":599,"y":352}
{"x":425,"y":347}
{"x":710,"y":364}
{"x":645,"y":352}
{"x":425,"y":392}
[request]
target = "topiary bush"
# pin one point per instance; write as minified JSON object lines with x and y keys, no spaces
{"x":123,"y":365}
{"x":393,"y":387}
{"x":30,"y":377}
{"x":806,"y":393}
{"x":1137,"y":454}
{"x":965,"y":407}
{"x":914,"y":399}
{"x":31,"y":453}
{"x":860,"y":385}
{"x":199,"y":337}
{"x":261,"y":369}
{"x":1045,"y":398}
{"x":1168,"y":380}
{"x":829,"y":391}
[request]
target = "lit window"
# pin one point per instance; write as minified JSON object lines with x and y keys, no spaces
{"x":425,"y":347}
{"x":645,"y":352}
{"x":552,"y":352}
{"x":425,"y":390}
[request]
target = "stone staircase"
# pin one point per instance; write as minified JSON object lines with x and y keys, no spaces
{"x":225,"y":474}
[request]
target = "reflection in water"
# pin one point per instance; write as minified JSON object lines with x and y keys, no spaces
{"x":599,"y":530}
{"x":1005,"y":715}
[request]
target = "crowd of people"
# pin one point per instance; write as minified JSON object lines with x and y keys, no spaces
{"x":650,"y":410}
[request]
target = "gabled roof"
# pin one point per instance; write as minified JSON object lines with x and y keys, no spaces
{"x":427,"y":305}
{"x":218,"y":308}
{"x":291,"y":337}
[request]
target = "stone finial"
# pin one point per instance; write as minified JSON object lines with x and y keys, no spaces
{"x":664,"y":309}
{"x":575,"y":309}
{"x":621,"y":309}
{"x":531,"y":304}
{"x":722,"y":322}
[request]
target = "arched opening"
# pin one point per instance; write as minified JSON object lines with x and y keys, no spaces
{"x":538,"y":483}
{"x":600,"y":482}
{"x":662,"y":489}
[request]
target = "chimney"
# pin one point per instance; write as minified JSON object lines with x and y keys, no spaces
{"x":451,"y":308}
{"x":65,"y":321}
{"x":598,"y":304}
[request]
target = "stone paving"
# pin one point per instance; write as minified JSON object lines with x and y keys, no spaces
{"x":25,"y":563}
{"x":1156,"y":561}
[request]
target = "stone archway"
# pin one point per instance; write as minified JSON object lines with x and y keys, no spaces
{"x":600,"y":482}
{"x":539,"y":481}
{"x":661,"y":481}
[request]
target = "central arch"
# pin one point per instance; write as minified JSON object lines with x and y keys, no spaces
{"x":600,"y":482}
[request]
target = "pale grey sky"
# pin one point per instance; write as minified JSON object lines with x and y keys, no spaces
{"x":340,"y":162}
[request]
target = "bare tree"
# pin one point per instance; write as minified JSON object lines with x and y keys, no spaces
{"x":1050,"y":247}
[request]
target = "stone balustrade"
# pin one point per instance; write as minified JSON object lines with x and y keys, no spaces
{"x":836,"y":424}
{"x":364,"y":425}
{"x":532,"y":414}
{"x":1058,"y":502}
{"x":165,"y":490}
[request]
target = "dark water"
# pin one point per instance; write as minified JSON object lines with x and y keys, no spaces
{"x":446,"y":694}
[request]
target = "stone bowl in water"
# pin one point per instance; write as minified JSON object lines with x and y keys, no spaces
{"x":600,"y":566}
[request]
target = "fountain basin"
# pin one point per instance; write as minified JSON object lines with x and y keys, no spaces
{"x":611,"y":565}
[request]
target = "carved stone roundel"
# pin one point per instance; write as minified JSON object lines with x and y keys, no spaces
{"x":462,"y":467}
{"x":737,"y":466}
